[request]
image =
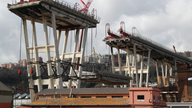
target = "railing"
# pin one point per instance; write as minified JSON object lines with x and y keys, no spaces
{"x":153,"y":42}
{"x":68,"y":5}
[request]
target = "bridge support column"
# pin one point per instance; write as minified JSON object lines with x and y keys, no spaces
{"x":157,"y":71}
{"x":170,"y":70}
{"x":147,"y":78}
{"x":73,"y":56}
{"x":132,"y":71}
{"x":135,"y":56}
{"x":31,"y":83}
{"x":119,"y":62}
{"x":58,"y":65}
{"x":112,"y":60}
{"x":65,"y":44}
{"x":128,"y":65}
{"x":141,"y":74}
{"x":82,"y":56}
{"x":37,"y":66}
{"x":49,"y":69}
{"x":166,"y":70}
{"x":162,"y":69}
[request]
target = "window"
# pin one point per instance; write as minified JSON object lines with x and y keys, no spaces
{"x":153,"y":98}
{"x":117,"y":96}
{"x":140,"y":98}
{"x":101,"y":96}
{"x":85,"y":96}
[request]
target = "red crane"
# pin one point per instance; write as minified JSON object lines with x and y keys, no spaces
{"x":86,"y":6}
{"x":122,"y":24}
{"x":174,"y":49}
{"x":111,"y":35}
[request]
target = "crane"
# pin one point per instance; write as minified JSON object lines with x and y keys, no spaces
{"x":122,"y":29}
{"x":174,"y":49}
{"x":86,"y":6}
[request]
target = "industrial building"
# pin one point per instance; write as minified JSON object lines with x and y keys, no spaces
{"x":6,"y":96}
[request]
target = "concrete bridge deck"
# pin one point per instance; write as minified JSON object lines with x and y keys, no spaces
{"x":158,"y":52}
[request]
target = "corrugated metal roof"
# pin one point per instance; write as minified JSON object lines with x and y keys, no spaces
{"x":81,"y":102}
{"x":85,"y":91}
{"x":4,"y":87}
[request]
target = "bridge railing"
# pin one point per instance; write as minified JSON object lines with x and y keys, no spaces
{"x":158,"y":44}
{"x":153,"y":42}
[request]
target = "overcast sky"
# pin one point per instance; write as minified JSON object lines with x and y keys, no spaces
{"x":168,"y":22}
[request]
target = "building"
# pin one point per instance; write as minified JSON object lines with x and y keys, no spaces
{"x":97,"y":97}
{"x":8,"y":65}
{"x":3,"y":65}
{"x":6,"y":96}
{"x":22,"y":63}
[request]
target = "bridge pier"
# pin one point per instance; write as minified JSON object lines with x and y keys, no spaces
{"x":147,"y":78}
{"x":136,"y":69}
{"x":31,"y":83}
{"x":141,"y":74}
{"x":162,"y":69}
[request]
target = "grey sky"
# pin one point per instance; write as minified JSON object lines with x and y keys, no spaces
{"x":167,"y":22}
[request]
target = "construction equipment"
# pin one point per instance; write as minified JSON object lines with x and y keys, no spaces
{"x":111,"y":35}
{"x":86,"y":6}
{"x":174,"y":49}
{"x":122,"y":28}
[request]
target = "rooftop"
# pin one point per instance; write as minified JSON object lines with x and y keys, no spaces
{"x":85,"y":91}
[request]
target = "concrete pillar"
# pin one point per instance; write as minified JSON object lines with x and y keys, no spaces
{"x":166,"y":70}
{"x":49,"y":68}
{"x":73,"y":57}
{"x":170,"y":70}
{"x":58,"y":39}
{"x":141,"y":74}
{"x":31,"y":83}
{"x":58,"y":65}
{"x":82,"y":56}
{"x":128,"y":65}
{"x":37,"y":66}
{"x":64,"y":44}
{"x":157,"y":71}
{"x":119,"y":61}
{"x":147,"y":78}
{"x":162,"y":70}
{"x":135,"y":56}
{"x":112,"y":60}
